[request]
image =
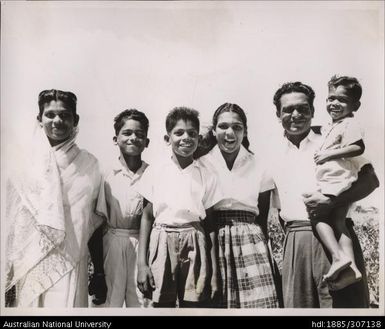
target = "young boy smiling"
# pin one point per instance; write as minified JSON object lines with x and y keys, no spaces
{"x":179,"y":193}
{"x":122,"y":207}
{"x":338,"y":162}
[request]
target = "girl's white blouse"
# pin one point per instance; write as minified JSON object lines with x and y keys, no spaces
{"x":241,"y":185}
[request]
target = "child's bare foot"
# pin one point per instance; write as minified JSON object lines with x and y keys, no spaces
{"x":345,"y":278}
{"x":336,"y":268}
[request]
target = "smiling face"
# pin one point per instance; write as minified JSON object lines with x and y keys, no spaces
{"x":229,"y":132}
{"x":183,"y":139}
{"x":58,"y":122}
{"x":339,"y":104}
{"x":132,"y":138}
{"x":295,"y":113}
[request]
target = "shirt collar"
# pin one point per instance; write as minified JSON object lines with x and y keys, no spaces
{"x":120,"y":166}
{"x":311,"y":137}
{"x":174,"y":161}
{"x":239,"y":160}
{"x":351,"y":115}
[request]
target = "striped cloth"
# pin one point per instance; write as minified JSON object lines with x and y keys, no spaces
{"x":245,"y":268}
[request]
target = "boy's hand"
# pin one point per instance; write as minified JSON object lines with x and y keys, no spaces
{"x":214,"y":287}
{"x":145,"y":281}
{"x":98,"y":287}
{"x":321,"y":157}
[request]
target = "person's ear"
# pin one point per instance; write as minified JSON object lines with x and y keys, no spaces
{"x":356,"y":106}
{"x":147,"y":142}
{"x":38,"y":118}
{"x":278,"y":114}
{"x":312,"y":111}
{"x":115,"y":139}
{"x":200,"y":137}
{"x":167,"y":139}
{"x":76,"y":120}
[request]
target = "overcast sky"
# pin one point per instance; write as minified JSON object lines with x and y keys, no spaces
{"x":154,"y":56}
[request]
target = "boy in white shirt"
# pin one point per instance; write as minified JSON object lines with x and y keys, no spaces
{"x":179,"y":195}
{"x":122,"y":208}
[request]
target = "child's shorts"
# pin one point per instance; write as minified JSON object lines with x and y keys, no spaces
{"x":179,"y":263}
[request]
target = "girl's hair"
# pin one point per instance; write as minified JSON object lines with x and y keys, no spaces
{"x":209,"y":141}
{"x":133,"y":114}
{"x":182,"y":113}
{"x":350,"y":83}
{"x":47,"y":96}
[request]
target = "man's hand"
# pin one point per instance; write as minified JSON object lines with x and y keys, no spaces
{"x":317,"y":204}
{"x":145,"y":281}
{"x":98,"y":288}
{"x":321,"y":157}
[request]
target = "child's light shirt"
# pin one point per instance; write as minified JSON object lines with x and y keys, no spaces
{"x":241,"y":185}
{"x":336,"y":176}
{"x":341,"y":133}
{"x":118,"y":200}
{"x":179,"y":196}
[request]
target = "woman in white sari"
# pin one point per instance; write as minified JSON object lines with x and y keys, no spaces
{"x":51,"y":195}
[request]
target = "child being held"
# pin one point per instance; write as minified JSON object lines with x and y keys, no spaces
{"x":338,"y":164}
{"x":174,"y":258}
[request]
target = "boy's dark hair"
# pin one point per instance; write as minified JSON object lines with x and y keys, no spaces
{"x":133,"y":114}
{"x":182,"y":113}
{"x":290,"y":87}
{"x":68,"y":98}
{"x":351,"y":84}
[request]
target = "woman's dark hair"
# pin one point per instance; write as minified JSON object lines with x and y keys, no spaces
{"x":47,"y":96}
{"x":133,"y":114}
{"x":208,"y":141}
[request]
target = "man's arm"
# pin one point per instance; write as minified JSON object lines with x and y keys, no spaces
{"x":318,"y":205}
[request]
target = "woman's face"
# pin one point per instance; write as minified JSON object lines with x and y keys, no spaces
{"x":58,"y":122}
{"x":229,"y":132}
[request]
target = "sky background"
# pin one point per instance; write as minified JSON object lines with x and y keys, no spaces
{"x":154,"y":56}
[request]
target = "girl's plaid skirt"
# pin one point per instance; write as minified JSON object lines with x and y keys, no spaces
{"x":244,"y":263}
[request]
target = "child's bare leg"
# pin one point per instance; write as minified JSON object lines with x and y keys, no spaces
{"x":339,"y":260}
{"x":345,"y":240}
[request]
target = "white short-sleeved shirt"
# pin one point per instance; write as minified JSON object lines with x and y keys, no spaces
{"x":241,"y":185}
{"x":341,"y":134}
{"x":293,"y":171}
{"x":179,"y":196}
{"x":118,"y":200}
{"x":337,"y":175}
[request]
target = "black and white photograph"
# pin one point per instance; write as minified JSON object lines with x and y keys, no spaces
{"x":200,"y":158}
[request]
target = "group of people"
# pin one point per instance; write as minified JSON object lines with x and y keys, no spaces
{"x":191,"y":231}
